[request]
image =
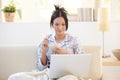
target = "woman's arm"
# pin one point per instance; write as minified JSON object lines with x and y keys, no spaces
{"x":77,"y":47}
{"x":42,"y":58}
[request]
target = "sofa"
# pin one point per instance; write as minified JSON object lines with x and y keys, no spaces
{"x":14,"y":59}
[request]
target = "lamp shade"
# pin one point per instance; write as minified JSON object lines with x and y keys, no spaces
{"x":103,"y":19}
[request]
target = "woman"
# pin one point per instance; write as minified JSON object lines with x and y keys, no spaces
{"x":66,"y":44}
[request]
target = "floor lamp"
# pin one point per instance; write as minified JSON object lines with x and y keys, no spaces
{"x":103,"y":24}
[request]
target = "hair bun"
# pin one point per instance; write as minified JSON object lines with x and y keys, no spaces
{"x":58,"y":8}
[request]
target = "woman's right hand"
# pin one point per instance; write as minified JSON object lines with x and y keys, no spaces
{"x":44,"y":50}
{"x":45,"y":44}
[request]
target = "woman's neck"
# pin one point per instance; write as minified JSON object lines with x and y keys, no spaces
{"x":59,"y":38}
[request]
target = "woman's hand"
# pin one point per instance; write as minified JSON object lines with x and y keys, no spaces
{"x":59,"y":50}
{"x":45,"y":44}
{"x":44,"y":48}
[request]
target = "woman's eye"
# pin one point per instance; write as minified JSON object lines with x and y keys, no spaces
{"x":63,"y":24}
{"x":56,"y":24}
{"x":59,"y":24}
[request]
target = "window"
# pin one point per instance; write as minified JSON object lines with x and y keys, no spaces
{"x":115,"y":10}
{"x":114,"y":6}
{"x":0,"y":11}
{"x":41,"y":10}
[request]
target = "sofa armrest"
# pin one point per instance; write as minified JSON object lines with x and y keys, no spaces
{"x":15,"y":59}
{"x":96,"y":64}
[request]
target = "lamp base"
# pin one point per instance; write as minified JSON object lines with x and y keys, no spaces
{"x":105,"y":56}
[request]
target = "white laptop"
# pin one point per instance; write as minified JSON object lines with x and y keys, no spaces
{"x":75,"y":64}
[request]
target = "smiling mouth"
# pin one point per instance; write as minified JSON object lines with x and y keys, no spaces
{"x":59,"y":31}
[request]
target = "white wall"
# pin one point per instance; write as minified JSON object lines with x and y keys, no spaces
{"x":13,"y":34}
{"x":33,"y":12}
{"x":22,"y":33}
{"x":112,"y":37}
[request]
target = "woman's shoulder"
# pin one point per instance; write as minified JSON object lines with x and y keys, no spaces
{"x":50,"y":37}
{"x":70,"y":37}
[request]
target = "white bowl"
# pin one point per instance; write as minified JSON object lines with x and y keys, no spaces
{"x":53,"y":45}
{"x":116,"y":53}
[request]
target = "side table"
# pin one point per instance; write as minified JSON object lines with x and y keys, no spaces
{"x":111,"y":68}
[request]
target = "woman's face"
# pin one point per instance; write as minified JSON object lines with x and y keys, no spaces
{"x":59,"y":26}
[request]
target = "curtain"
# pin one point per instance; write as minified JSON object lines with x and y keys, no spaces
{"x":86,"y":14}
{"x":0,"y":11}
{"x":89,"y":13}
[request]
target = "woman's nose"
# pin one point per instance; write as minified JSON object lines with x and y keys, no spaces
{"x":60,"y":27}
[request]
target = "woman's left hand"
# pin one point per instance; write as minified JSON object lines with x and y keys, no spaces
{"x":59,"y":50}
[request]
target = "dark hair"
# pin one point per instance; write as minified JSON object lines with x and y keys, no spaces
{"x":59,"y":12}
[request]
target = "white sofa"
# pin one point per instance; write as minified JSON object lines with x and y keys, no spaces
{"x":15,"y":59}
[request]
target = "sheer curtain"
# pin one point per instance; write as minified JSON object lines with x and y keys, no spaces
{"x":0,"y":11}
{"x":85,"y":10}
{"x":115,"y":10}
{"x":86,"y":14}
{"x":41,"y":10}
{"x":89,"y":12}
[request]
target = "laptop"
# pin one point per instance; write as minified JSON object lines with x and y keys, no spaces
{"x":71,"y":64}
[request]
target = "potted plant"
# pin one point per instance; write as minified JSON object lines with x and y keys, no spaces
{"x":9,"y":12}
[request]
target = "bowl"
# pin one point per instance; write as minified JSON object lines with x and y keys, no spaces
{"x":116,"y":53}
{"x":53,"y":45}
